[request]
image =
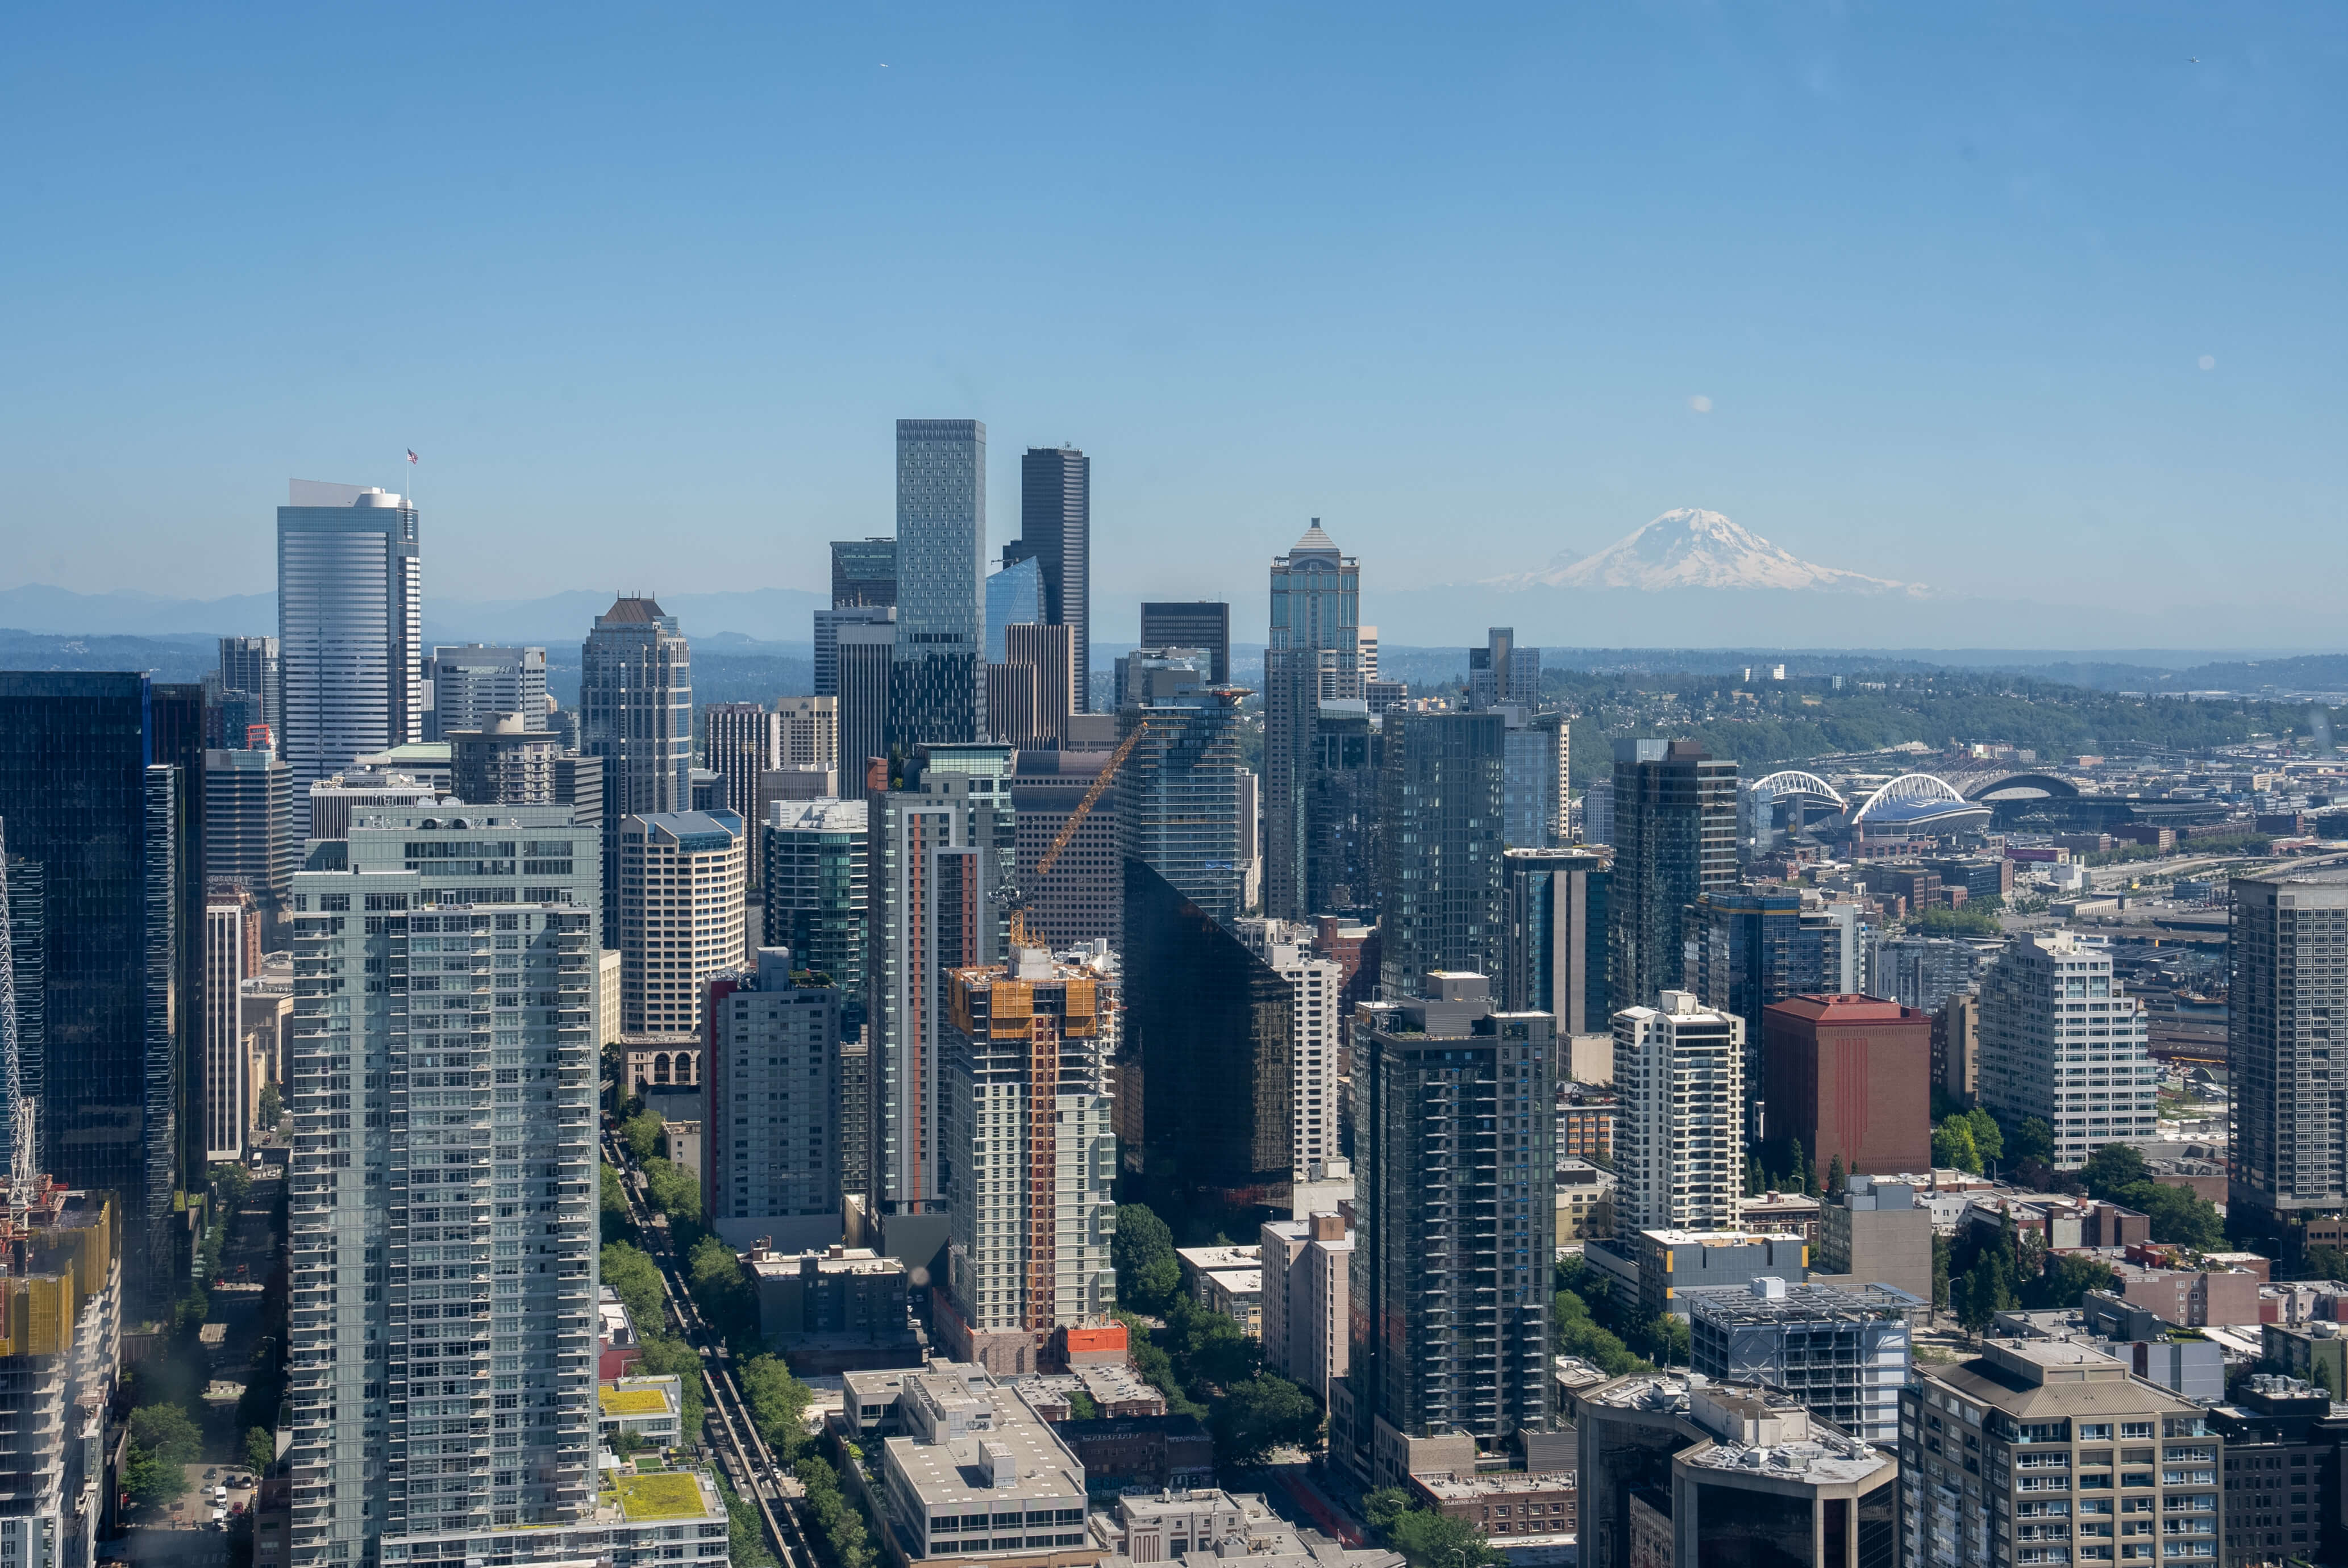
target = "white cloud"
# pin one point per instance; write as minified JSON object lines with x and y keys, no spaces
{"x":2208,"y":362}
{"x":1703,"y":405}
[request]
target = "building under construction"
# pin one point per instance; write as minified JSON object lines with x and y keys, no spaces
{"x":1029,"y":1155}
{"x":60,"y":1350}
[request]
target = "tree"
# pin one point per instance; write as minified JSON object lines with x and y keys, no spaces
{"x":2066,"y":1277}
{"x":1666,"y":1339}
{"x":2323,"y":1263}
{"x":643,"y":1134}
{"x":1989,"y":1139}
{"x":167,"y":1433}
{"x":2179,"y":1217}
{"x":2321,"y":1373}
{"x":230,"y":1184}
{"x":1263,"y":1413}
{"x":779,"y":1404}
{"x":1836,"y":1179}
{"x":668,"y":1356}
{"x":2112,"y":1171}
{"x":673,"y":1191}
{"x":1424,"y":1537}
{"x":1148,"y":1272}
{"x":1578,"y":1334}
{"x":630,"y":1271}
{"x":1987,"y":1289}
{"x":1940,"y":1272}
{"x":745,"y":1537}
{"x":2033,"y":1140}
{"x":271,"y":1110}
{"x":1081,"y":1406}
{"x":259,"y":1450}
{"x":722,"y":1289}
{"x":1798,"y":1174}
{"x":616,"y":1224}
{"x":1953,"y":1147}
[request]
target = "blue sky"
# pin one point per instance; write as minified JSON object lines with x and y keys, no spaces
{"x":646,"y":287}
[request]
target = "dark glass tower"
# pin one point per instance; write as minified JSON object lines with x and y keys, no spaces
{"x":88,"y":793}
{"x":1439,"y":820}
{"x":937,"y":684}
{"x":1341,"y":845}
{"x":1191,"y":624}
{"x":1056,"y":527}
{"x":1674,"y":839}
{"x":1553,"y":954}
{"x":1455,"y":1222}
{"x":1207,"y":1033}
{"x":863,"y":572}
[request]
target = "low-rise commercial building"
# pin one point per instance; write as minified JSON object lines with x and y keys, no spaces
{"x":1673,"y":1261}
{"x":1515,"y":1509}
{"x":1874,"y":1231}
{"x":1585,"y":1200}
{"x":2285,"y":1444}
{"x":976,"y":1472}
{"x":649,"y":1409}
{"x":1226,"y":1279}
{"x":836,"y":1309}
{"x":1202,"y":1526}
{"x":1842,"y":1350}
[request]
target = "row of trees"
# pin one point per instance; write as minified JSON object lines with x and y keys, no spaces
{"x":1592,"y":1322}
{"x":1201,"y":1360}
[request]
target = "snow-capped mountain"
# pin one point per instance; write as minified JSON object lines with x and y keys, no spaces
{"x":1691,"y":548}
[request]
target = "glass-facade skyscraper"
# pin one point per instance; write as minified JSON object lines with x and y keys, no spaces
{"x":1441,"y":840}
{"x":1178,"y":808}
{"x":350,"y":627}
{"x":1553,"y":948}
{"x":1674,"y":837}
{"x":937,"y":682}
{"x":635,"y":712}
{"x":1056,"y":529}
{"x":1314,"y":651}
{"x":86,"y":801}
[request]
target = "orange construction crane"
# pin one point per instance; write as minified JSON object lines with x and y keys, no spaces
{"x":1017,"y":899}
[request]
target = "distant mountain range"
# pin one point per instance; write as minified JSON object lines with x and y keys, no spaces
{"x":1691,"y":548}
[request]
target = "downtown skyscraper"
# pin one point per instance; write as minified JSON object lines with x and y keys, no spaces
{"x":1314,"y":652}
{"x":350,"y":627}
{"x":442,"y":1193}
{"x":2289,"y":957}
{"x":937,"y":679}
{"x":1675,"y":836}
{"x":1056,"y":530}
{"x":635,"y":712}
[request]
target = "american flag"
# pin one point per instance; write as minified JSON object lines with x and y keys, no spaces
{"x":411,"y":453}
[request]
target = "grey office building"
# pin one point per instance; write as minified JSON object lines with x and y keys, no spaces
{"x":1315,"y":653}
{"x":1921,"y":972}
{"x":1441,"y":839}
{"x":863,"y":572}
{"x":812,"y":863}
{"x":350,"y":627}
{"x":1455,"y":1223}
{"x":2288,"y":961}
{"x":472,"y":685}
{"x":865,"y":656}
{"x":828,"y":625}
{"x":1553,"y":938}
{"x":1056,"y":530}
{"x":1191,"y":624}
{"x":250,"y":840}
{"x":1179,"y":810}
{"x":251,"y":664}
{"x":936,"y":681}
{"x":636,"y":713}
{"x":1674,"y":837}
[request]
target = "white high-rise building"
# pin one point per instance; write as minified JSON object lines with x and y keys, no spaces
{"x":473,"y":683}
{"x":350,"y":625}
{"x":683,"y":896}
{"x":227,"y":1089}
{"x":2061,"y":1040}
{"x":1679,"y":1133}
{"x":441,"y":1339}
{"x":810,"y":730}
{"x":1313,"y":983}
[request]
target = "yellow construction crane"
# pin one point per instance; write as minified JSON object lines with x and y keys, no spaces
{"x":1016,"y":898}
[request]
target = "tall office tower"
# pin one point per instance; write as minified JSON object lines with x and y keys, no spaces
{"x":350,"y":626}
{"x":1500,"y":672}
{"x":1316,"y":610}
{"x":1315,"y":983}
{"x":177,"y":713}
{"x":684,"y":883}
{"x":635,"y":712}
{"x":504,"y":762}
{"x":225,"y":1086}
{"x":2062,"y":1040}
{"x":812,"y":855}
{"x":2065,"y":1401}
{"x":1752,"y":949}
{"x":472,"y":685}
{"x":1014,"y":595}
{"x":1537,"y":763}
{"x":438,"y":1196}
{"x":864,"y":659}
{"x":250,"y":840}
{"x":810,"y":730}
{"x":770,"y":1147}
{"x":935,"y":684}
{"x":2287,"y":959}
{"x":18,"y":1108}
{"x":1553,"y":936}
{"x":940,"y":849}
{"x":1674,"y":838}
{"x":1047,"y":651}
{"x":1056,"y":529}
{"x":1678,"y":1132}
{"x":1178,"y":808}
{"x":1081,"y":898}
{"x":251,"y":664}
{"x":1012,"y":715}
{"x":1026,"y":1130}
{"x":61,"y":1333}
{"x":739,"y":742}
{"x":828,"y":625}
{"x":1209,"y":1045}
{"x":1851,"y":1077}
{"x":1598,"y":812}
{"x":25,"y":926}
{"x":1453,"y":1221}
{"x":1191,"y":624}
{"x":82,"y":801}
{"x":1921,"y":972}
{"x":1439,"y":815}
{"x":863,"y":572}
{"x":1342,"y":846}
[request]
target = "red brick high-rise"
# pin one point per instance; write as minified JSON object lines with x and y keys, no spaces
{"x":1850,"y":1076}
